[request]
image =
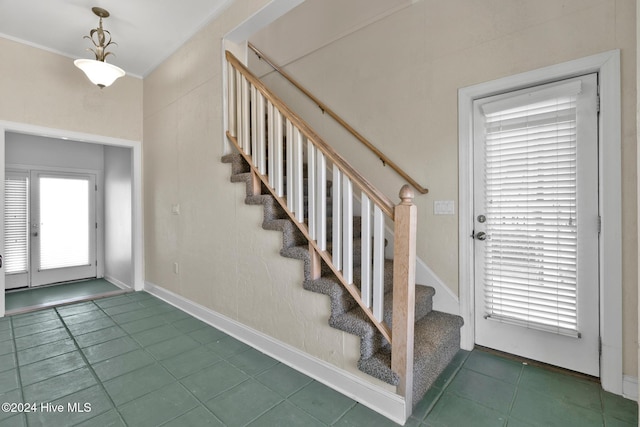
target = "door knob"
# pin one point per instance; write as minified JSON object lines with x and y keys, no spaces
{"x":480,"y":235}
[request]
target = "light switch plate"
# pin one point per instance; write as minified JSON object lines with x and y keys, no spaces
{"x":444,"y":207}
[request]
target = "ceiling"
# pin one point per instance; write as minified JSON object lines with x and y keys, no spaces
{"x":146,"y":31}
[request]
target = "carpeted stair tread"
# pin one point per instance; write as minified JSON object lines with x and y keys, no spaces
{"x":424,"y":304}
{"x":436,"y":341}
{"x":356,"y":322}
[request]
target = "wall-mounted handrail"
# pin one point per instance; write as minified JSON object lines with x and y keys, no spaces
{"x":326,"y":109}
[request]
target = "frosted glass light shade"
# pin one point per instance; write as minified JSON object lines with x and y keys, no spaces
{"x":100,"y":73}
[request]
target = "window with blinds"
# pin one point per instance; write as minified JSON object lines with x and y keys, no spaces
{"x":530,"y":204}
{"x":16,"y":223}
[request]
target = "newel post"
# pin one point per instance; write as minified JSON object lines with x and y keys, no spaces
{"x":404,"y":275}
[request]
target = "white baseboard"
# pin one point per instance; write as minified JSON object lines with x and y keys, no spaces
{"x":630,"y":387}
{"x":382,"y":401}
{"x":118,"y":283}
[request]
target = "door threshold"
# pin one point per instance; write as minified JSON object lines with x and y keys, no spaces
{"x":538,"y":364}
{"x":67,"y":301}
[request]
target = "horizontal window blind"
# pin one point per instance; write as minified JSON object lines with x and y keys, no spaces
{"x":530,"y":196}
{"x":16,"y":223}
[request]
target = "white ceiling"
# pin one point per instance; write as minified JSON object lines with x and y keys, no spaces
{"x":146,"y":31}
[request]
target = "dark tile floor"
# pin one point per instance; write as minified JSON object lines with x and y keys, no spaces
{"x":36,"y":298}
{"x":138,"y":361}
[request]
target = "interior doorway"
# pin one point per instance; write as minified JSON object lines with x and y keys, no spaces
{"x":113,"y":179}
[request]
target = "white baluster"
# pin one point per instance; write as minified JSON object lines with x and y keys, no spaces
{"x":290,"y":191}
{"x":239,"y":124}
{"x":246,"y":136}
{"x":278,"y":162}
{"x":321,"y":205}
{"x":378,"y":263}
{"x":366,"y":261}
{"x":298,"y":175}
{"x":311,"y":189}
{"x":270,"y":144}
{"x":254,"y":123}
{"x":347,"y":230}
{"x":336,"y":215}
{"x":261,"y":144}
{"x":231,"y":100}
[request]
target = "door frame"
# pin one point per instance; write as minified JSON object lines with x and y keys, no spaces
{"x":607,"y":65}
{"x":136,"y":188}
{"x":98,"y":207}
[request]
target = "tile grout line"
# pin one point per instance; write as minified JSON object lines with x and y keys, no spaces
{"x":15,"y":355}
{"x":515,"y":394}
{"x":159,"y":362}
{"x":90,"y":367}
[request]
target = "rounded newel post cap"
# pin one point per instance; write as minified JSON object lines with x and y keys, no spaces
{"x":406,"y":194}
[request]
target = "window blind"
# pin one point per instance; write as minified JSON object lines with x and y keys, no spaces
{"x":16,"y":223}
{"x":530,"y":208}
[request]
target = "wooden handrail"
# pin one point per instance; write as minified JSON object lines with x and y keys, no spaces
{"x":385,"y":204}
{"x":325,"y":109}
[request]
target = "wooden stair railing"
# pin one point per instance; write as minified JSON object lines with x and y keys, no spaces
{"x":326,"y":109}
{"x":271,"y":138}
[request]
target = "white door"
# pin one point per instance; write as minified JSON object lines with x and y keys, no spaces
{"x":63,"y":227}
{"x":536,"y":223}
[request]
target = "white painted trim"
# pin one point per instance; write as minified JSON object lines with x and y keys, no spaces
{"x":118,"y":283}
{"x":137,"y":207}
{"x":630,"y":387}
{"x":444,"y":299}
{"x":607,"y":64}
{"x":382,"y":401}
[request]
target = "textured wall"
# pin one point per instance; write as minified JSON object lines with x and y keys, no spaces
{"x":45,"y":89}
{"x":226,"y":261}
{"x":396,"y":81}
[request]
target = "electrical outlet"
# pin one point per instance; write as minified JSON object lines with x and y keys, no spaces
{"x":176,"y":269}
{"x":175,"y":209}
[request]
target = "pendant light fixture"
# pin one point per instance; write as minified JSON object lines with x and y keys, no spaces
{"x":98,"y":71}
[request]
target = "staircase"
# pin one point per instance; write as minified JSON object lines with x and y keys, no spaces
{"x":342,"y":251}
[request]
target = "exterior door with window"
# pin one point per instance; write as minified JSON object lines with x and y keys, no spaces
{"x":536,"y":223}
{"x":50,"y":228}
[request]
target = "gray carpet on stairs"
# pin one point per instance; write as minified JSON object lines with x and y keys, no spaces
{"x":437,"y":334}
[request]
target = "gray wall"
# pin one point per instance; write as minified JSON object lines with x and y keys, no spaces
{"x":118,"y":215}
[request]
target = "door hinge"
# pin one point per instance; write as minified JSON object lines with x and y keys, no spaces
{"x":96,"y":225}
{"x":599,"y":224}
{"x":598,"y":103}
{"x":96,"y":186}
{"x":600,"y":346}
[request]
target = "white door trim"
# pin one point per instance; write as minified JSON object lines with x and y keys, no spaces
{"x":607,"y":64}
{"x":137,"y":214}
